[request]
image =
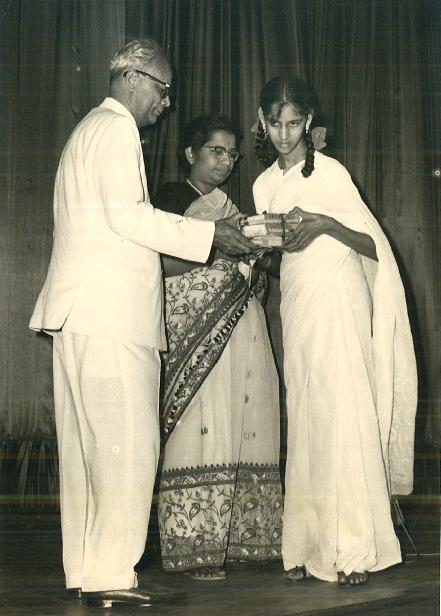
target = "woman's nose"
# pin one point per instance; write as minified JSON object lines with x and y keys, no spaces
{"x":283,"y":132}
{"x":226,"y":159}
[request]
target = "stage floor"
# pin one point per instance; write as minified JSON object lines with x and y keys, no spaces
{"x":32,"y":583}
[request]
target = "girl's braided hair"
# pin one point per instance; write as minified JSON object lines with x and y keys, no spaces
{"x":281,"y":92}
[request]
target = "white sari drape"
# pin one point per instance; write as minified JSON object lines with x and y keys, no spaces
{"x":351,"y":381}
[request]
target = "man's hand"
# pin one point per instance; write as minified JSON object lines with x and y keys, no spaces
{"x":230,"y":240}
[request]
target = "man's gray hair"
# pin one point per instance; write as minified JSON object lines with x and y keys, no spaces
{"x":138,"y":53}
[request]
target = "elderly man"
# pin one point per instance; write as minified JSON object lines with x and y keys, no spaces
{"x":102,"y":303}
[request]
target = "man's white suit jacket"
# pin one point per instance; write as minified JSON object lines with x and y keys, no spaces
{"x":104,"y":277}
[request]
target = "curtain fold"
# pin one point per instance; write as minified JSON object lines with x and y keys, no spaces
{"x":373,"y":66}
{"x":50,"y":77}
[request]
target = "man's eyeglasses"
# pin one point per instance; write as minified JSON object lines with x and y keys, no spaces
{"x":165,"y":86}
{"x":219,"y":151}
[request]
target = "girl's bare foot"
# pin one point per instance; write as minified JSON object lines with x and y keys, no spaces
{"x":356,"y":578}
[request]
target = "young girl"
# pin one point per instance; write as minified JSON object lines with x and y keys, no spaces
{"x":348,"y":355}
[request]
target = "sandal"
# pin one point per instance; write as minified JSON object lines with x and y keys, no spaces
{"x":297,"y":574}
{"x":356,"y":578}
{"x":208,"y":574}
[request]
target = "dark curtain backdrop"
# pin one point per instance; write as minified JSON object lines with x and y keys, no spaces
{"x":373,"y":64}
{"x":54,"y":60}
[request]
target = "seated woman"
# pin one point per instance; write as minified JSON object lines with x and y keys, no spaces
{"x":220,"y":494}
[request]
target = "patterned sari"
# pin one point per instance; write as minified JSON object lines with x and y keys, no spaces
{"x":220,"y":494}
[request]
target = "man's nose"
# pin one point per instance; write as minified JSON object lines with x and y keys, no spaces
{"x":166,"y":101}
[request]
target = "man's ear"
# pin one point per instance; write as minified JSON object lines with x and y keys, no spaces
{"x":189,"y":154}
{"x":131,"y":79}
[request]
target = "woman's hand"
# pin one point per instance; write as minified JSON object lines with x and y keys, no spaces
{"x":311,"y":227}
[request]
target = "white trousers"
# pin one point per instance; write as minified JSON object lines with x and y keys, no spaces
{"x":106,"y":408}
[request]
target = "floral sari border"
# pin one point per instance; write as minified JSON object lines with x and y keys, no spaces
{"x":218,"y":514}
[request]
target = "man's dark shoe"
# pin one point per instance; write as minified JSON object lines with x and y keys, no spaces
{"x":158,"y":595}
{"x":75,"y":593}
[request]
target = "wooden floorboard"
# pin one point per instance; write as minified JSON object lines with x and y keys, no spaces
{"x":32,"y":581}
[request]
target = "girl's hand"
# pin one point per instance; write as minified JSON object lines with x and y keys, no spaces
{"x":311,"y":227}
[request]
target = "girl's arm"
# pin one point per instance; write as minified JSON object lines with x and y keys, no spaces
{"x":314,"y":225}
{"x":360,"y":242}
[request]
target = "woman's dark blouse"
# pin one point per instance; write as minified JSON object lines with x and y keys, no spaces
{"x":175,"y":197}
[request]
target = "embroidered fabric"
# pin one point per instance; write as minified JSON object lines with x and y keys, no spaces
{"x":212,"y":514}
{"x":202,"y":307}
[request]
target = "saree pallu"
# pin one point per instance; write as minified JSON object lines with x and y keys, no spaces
{"x":201,"y":310}
{"x":220,"y":495}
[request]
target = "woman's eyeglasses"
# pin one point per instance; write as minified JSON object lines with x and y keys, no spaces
{"x":165,"y":86}
{"x":219,"y":151}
